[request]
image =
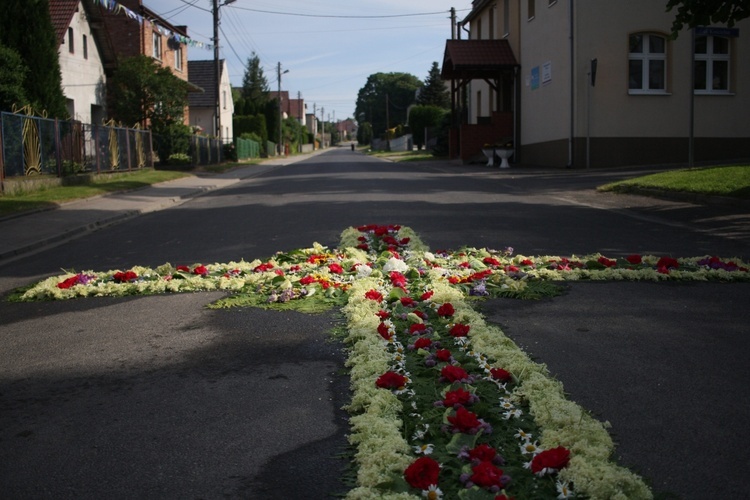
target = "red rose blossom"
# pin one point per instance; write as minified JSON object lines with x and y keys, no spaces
{"x":390,"y":380}
{"x":184,"y":269}
{"x":65,"y":284}
{"x":634,"y":259}
{"x":422,"y":473}
{"x":201,"y":270}
{"x":426,"y":295}
{"x":667,"y":263}
{"x":124,"y":277}
{"x":335,"y":268}
{"x":374,"y":295}
{"x":491,"y":261}
{"x":556,"y":458}
{"x":408,"y":302}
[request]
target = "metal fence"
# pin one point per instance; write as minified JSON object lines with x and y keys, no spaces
{"x":247,"y":148}
{"x":33,"y":145}
{"x":205,"y":150}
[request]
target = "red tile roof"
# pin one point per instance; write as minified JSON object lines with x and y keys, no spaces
{"x":476,"y":58}
{"x":61,"y":12}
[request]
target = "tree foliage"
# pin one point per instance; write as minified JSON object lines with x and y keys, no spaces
{"x":434,"y":92}
{"x":142,"y":91}
{"x":254,"y":87}
{"x":26,"y":27}
{"x":392,"y":91}
{"x":692,"y":13}
{"x":422,"y":117}
{"x":12,"y":75}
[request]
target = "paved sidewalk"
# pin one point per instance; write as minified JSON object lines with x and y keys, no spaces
{"x":34,"y":231}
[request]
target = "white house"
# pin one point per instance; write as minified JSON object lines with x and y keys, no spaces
{"x":202,"y":105}
{"x":654,"y":100}
{"x":82,"y":65}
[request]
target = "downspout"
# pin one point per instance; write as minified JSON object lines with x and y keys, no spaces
{"x":571,"y":135}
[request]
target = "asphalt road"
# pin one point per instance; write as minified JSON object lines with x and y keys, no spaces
{"x":158,"y":397}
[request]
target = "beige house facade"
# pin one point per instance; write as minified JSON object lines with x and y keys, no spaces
{"x":654,"y":100}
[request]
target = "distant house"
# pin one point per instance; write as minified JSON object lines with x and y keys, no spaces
{"x":141,"y":31}
{"x":85,"y":54}
{"x":347,"y":129}
{"x":597,"y":83}
{"x":202,"y":105}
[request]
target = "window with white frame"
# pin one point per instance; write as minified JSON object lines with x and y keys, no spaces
{"x":178,"y":58}
{"x":711,"y":65}
{"x":157,"y":45}
{"x":647,"y":64}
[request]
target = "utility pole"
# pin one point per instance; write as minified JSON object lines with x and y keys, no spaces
{"x":301,"y":120}
{"x":217,"y":65}
{"x":323,"y":127}
{"x":279,"y":147}
{"x":217,"y":71}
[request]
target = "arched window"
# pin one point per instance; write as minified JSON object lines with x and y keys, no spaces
{"x":711,"y":65}
{"x":647,"y":64}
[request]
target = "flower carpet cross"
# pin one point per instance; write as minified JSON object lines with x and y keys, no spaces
{"x":444,"y":405}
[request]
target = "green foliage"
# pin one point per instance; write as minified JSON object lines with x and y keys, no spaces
{"x":421,"y":117}
{"x":434,"y":92}
{"x":733,"y":181}
{"x":172,"y":139}
{"x":692,"y":13}
{"x":254,"y":87}
{"x":13,"y":71}
{"x":252,"y":127}
{"x":26,"y":27}
{"x":180,"y":159}
{"x":142,"y":91}
{"x":392,"y":91}
{"x":364,"y":133}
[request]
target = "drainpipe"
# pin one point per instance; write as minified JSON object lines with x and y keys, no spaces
{"x":572,"y":85}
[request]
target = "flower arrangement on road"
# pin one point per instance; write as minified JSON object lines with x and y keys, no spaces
{"x":443,"y":404}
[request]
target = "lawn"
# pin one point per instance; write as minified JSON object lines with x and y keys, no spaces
{"x":48,"y":197}
{"x":731,"y":181}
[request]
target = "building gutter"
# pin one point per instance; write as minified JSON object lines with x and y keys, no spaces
{"x":571,"y":135}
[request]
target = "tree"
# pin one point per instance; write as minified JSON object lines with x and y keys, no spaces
{"x":692,"y":13}
{"x":254,"y":87}
{"x":434,"y":92}
{"x":422,"y":117}
{"x":12,"y":74}
{"x":26,"y":27}
{"x":392,"y":91}
{"x":142,"y":91}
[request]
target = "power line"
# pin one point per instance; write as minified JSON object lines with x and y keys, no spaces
{"x":332,"y":16}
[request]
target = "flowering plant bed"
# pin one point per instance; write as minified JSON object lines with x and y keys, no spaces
{"x":443,"y":404}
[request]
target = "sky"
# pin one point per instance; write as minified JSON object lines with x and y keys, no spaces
{"x":328,"y":47}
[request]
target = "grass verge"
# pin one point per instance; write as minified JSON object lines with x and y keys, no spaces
{"x":730,"y":181}
{"x":47,"y":197}
{"x":402,"y":156}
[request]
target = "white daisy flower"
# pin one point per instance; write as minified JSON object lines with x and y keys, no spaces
{"x":529,"y":448}
{"x":563,"y":488}
{"x":432,"y":493}
{"x":512,"y":414}
{"x":424,"y":449}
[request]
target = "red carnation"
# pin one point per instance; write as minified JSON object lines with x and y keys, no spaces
{"x":634,"y":259}
{"x":460,"y":330}
{"x":335,"y":268}
{"x":556,"y":459}
{"x":73,"y":280}
{"x":374,"y":295}
{"x":417,"y":328}
{"x":486,"y":475}
{"x":491,"y":261}
{"x":201,"y":270}
{"x":458,"y":397}
{"x":408,"y":302}
{"x":422,"y":473}
{"x":501,"y":375}
{"x":422,"y":343}
{"x":427,"y":295}
{"x":483,"y":453}
{"x":390,"y":380}
{"x":453,"y":373}
{"x":384,"y":331}
{"x":465,"y":421}
{"x":446,"y":310}
{"x":124,"y":277}
{"x":443,"y":355}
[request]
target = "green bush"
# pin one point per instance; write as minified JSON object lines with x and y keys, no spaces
{"x":174,"y":138}
{"x":180,"y":159}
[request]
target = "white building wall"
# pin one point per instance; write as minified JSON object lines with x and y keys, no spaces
{"x":83,"y":78}
{"x":227,"y":106}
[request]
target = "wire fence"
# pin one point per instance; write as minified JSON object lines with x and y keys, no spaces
{"x":32,"y":145}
